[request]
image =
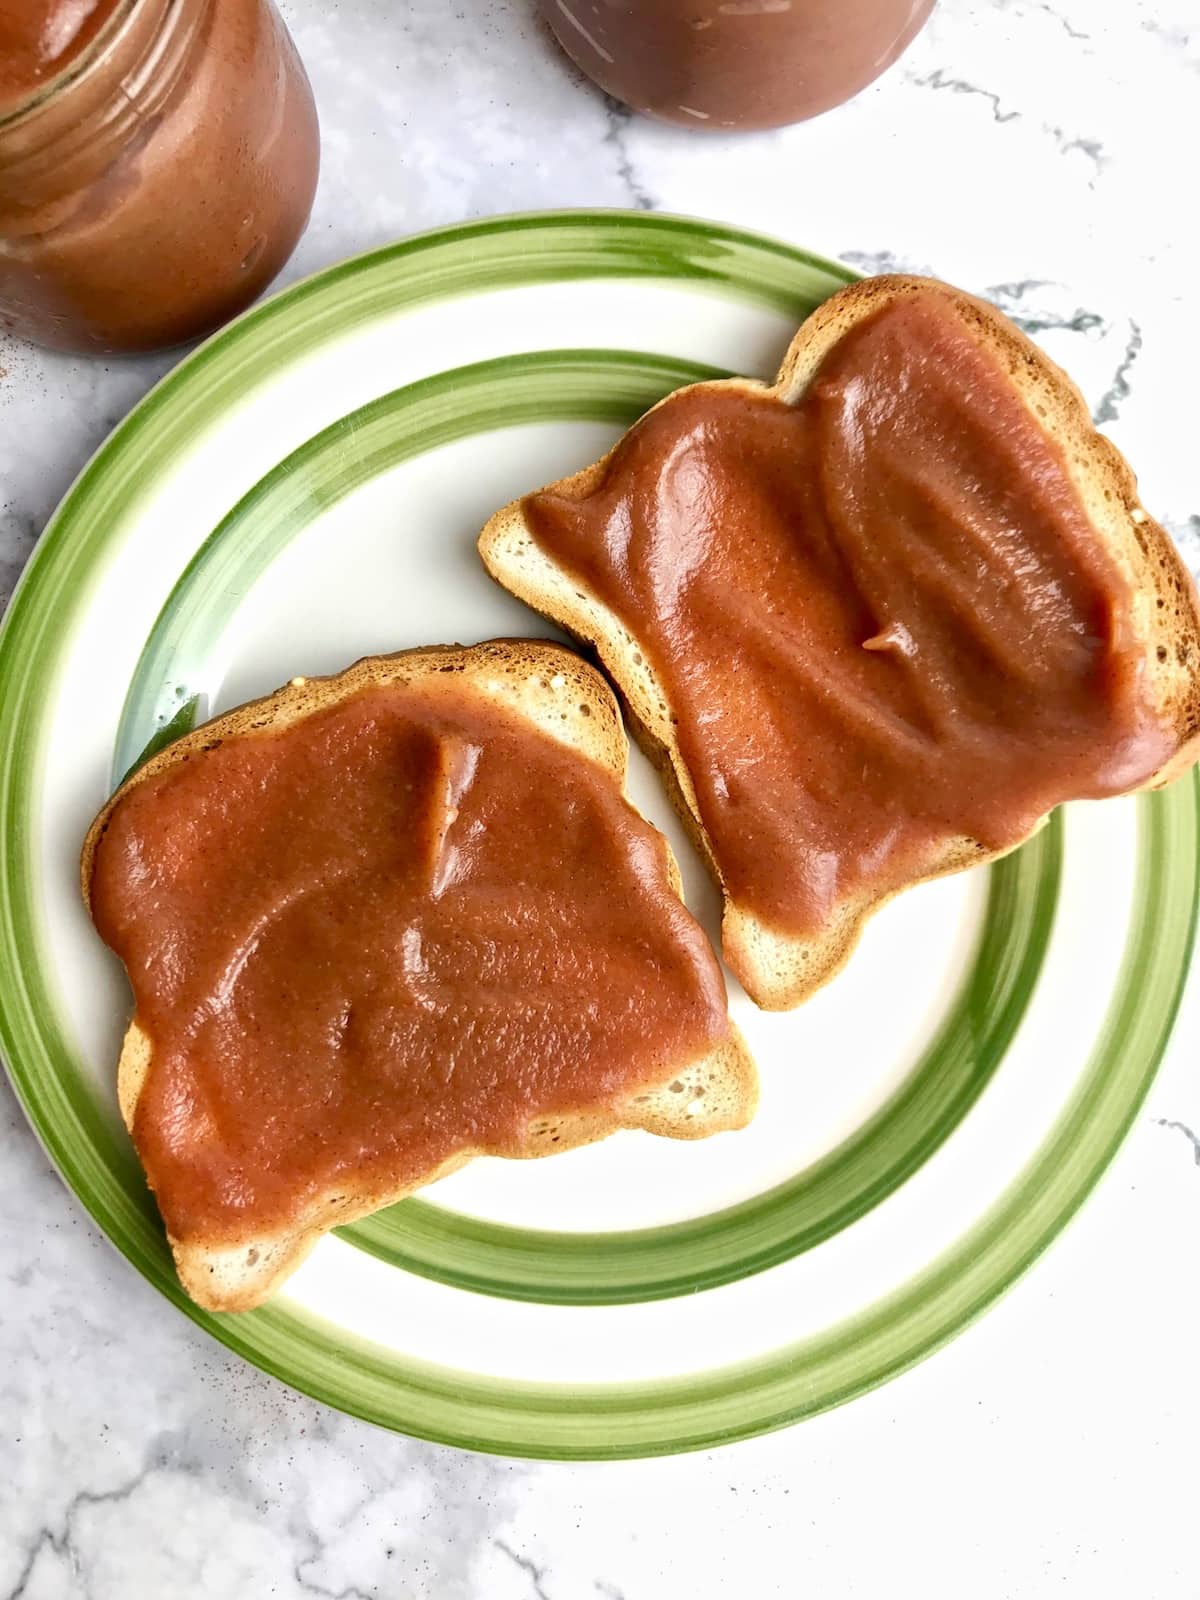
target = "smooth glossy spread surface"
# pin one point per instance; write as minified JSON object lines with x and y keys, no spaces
{"x":880,"y":615}
{"x":38,"y":38}
{"x":400,"y":928}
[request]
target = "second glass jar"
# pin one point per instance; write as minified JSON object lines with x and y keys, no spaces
{"x":734,"y":63}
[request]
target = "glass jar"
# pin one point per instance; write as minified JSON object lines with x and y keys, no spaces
{"x":734,"y":63}
{"x":159,"y":177}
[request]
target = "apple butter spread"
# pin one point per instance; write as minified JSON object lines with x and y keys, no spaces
{"x":403,"y":926}
{"x":721,"y":64}
{"x":157,"y":163}
{"x":879,"y":615}
{"x":39,"y":37}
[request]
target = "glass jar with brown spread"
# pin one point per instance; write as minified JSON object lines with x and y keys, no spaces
{"x":734,"y":63}
{"x":157,"y":164}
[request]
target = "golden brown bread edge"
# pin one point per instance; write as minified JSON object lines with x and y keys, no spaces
{"x":541,"y":681}
{"x":780,"y":971}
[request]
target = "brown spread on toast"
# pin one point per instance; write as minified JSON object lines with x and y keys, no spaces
{"x":396,"y":929}
{"x":879,"y":614}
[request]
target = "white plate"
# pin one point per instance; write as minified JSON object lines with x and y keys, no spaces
{"x":307,"y":489}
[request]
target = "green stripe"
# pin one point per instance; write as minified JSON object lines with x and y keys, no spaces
{"x":82,"y":1138}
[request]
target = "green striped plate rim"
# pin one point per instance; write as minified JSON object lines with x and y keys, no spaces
{"x":565,"y":1420}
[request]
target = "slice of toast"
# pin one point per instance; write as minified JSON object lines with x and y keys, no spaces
{"x":780,"y":969}
{"x":556,"y":696}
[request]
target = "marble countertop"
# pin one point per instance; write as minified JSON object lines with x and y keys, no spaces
{"x":1037,"y":151}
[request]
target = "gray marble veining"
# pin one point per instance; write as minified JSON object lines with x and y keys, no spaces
{"x":1037,"y":151}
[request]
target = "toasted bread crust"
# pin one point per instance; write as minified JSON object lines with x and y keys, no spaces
{"x":779,"y":971}
{"x":539,"y":679}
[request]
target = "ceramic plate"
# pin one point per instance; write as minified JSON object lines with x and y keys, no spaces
{"x":306,"y":489}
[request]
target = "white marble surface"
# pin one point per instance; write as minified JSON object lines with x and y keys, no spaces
{"x":1041,"y":151}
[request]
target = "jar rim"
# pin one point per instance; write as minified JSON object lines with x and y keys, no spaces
{"x":75,"y":67}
